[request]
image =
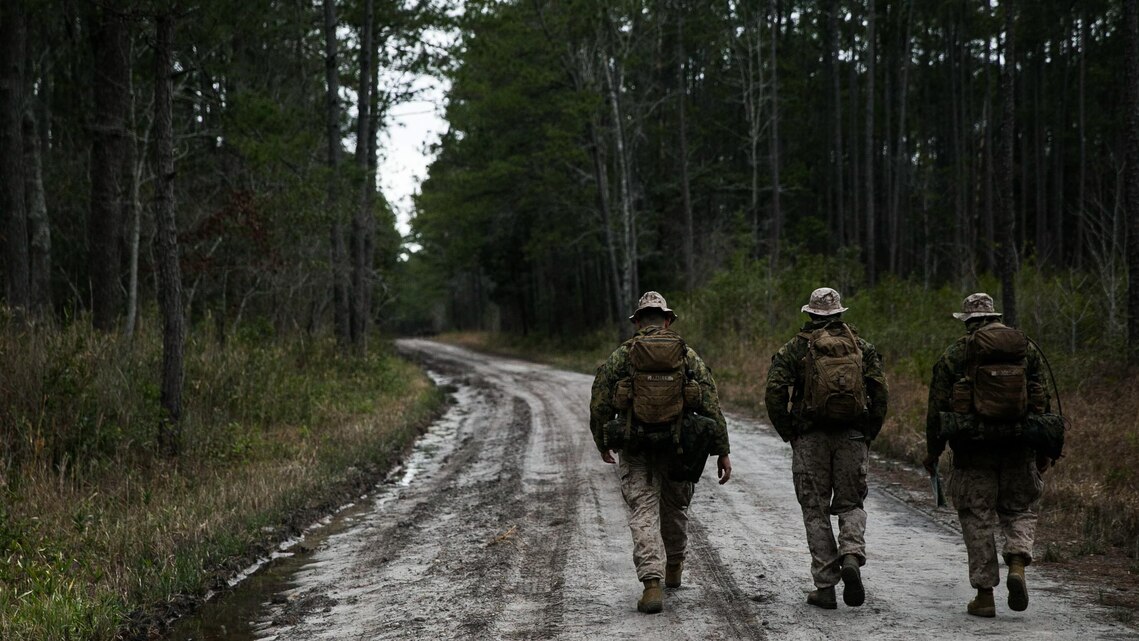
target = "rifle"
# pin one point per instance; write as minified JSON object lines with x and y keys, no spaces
{"x":935,"y":485}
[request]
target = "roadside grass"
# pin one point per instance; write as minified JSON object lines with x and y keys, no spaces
{"x":102,"y":537}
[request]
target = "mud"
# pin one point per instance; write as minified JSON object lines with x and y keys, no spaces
{"x":506,"y":524}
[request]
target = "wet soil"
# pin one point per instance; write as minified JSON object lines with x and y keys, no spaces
{"x":505,"y":524}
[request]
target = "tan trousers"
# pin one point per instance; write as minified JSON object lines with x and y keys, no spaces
{"x":829,"y":468}
{"x":658,"y":512}
{"x":999,"y":490}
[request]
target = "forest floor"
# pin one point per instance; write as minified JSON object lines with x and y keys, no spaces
{"x":505,"y":523}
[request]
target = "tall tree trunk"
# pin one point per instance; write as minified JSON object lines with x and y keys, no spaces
{"x":989,"y":118}
{"x":871,"y":233}
{"x":137,"y":146}
{"x":13,"y":32}
{"x":1131,"y":171}
{"x":837,"y":165}
{"x":601,"y":177}
{"x":166,"y":240}
{"x":1006,"y":242}
{"x":628,"y":224}
{"x":111,"y":82}
{"x":685,"y":193}
{"x":39,"y":231}
{"x":775,"y":236}
{"x":1082,"y":132}
{"x":338,"y":253}
{"x":901,"y":157}
{"x":367,"y":191}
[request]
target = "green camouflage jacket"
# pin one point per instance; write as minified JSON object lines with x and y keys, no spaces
{"x":949,"y":369}
{"x":785,"y":383}
{"x":616,"y":367}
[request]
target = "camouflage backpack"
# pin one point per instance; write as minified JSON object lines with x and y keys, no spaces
{"x":996,"y":359}
{"x":833,"y":386}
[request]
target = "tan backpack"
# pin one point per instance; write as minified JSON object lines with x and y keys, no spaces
{"x":833,"y":386}
{"x":997,"y":364}
{"x":657,"y":364}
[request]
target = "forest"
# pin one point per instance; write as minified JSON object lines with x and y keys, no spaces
{"x":598,"y":149}
{"x":200,"y":274}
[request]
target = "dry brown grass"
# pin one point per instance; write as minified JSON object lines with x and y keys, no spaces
{"x":134,"y":531}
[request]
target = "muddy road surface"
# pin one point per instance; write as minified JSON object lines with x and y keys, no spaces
{"x":505,"y":524}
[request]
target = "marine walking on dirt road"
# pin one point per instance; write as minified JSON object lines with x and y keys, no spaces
{"x":655,"y":403}
{"x":827,"y":396}
{"x":989,"y":402}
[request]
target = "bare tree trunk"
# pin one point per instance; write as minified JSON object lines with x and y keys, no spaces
{"x":629,"y":275}
{"x":1006,"y":242}
{"x":988,"y":223}
{"x":901,"y":157}
{"x":367,"y":191}
{"x":1131,"y":172}
{"x":138,"y":155}
{"x":685,"y":193}
{"x":871,"y":235}
{"x":13,"y":32}
{"x":338,"y":252}
{"x":836,"y":99}
{"x":166,"y":241}
{"x":1082,"y":181}
{"x":776,"y":232}
{"x":110,"y":44}
{"x":750,"y":66}
{"x":39,"y":263}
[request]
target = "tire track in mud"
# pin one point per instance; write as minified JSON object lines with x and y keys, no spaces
{"x":728,"y":598}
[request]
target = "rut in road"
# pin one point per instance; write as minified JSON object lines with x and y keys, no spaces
{"x":514,"y":529}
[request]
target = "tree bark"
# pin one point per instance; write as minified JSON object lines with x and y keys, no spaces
{"x":1006,"y":242}
{"x":166,"y":240}
{"x":685,"y":193}
{"x":13,"y":32}
{"x":111,"y":84}
{"x":39,"y":264}
{"x":871,"y":235}
{"x":1131,"y":172}
{"x":360,"y":267}
{"x":338,"y":253}
{"x":837,"y":164}
{"x":775,"y":236}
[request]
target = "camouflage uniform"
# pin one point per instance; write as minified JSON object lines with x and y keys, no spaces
{"x":658,"y":506}
{"x":829,"y":461}
{"x":991,"y":484}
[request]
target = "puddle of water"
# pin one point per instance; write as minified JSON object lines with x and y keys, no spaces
{"x":243,"y":614}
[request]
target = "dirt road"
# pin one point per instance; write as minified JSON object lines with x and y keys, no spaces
{"x":505,"y":524}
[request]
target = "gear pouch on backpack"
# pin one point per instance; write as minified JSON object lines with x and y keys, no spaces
{"x":961,"y":399}
{"x":1001,"y":391}
{"x":623,"y":395}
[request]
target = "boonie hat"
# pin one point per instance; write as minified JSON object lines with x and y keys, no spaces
{"x":824,"y":302}
{"x":650,"y":300}
{"x":976,"y":306}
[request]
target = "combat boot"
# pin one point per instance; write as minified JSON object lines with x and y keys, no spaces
{"x":1017,"y":588}
{"x":672,"y":573}
{"x":823,"y":598}
{"x":853,"y":594}
{"x":652,"y":601}
{"x":982,"y":605}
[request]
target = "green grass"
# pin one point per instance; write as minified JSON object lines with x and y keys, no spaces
{"x":98,"y":530}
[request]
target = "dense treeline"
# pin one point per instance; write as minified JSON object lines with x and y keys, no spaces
{"x":197,"y":154}
{"x":600,"y":148}
{"x":252,"y":121}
